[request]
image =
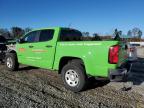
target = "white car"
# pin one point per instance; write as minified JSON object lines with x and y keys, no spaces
{"x":132,"y":51}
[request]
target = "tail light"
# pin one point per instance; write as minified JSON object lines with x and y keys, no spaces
{"x":113,"y":54}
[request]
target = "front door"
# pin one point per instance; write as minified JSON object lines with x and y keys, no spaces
{"x":24,"y":48}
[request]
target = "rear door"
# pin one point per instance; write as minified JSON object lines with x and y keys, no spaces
{"x":44,"y":49}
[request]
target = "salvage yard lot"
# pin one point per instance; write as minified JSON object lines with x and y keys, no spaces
{"x":33,"y":87}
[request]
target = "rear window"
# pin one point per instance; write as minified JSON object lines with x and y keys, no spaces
{"x":75,"y":35}
{"x":70,"y":35}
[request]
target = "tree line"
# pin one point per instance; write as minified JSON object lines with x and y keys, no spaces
{"x":17,"y":32}
{"x":14,"y":32}
{"x":133,"y":35}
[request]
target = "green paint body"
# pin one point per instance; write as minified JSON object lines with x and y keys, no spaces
{"x":94,"y":54}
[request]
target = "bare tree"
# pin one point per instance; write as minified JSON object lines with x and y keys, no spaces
{"x":5,"y":33}
{"x":117,"y":34}
{"x":17,"y":32}
{"x":140,"y":34}
{"x":85,"y":34}
{"x":129,"y":33}
{"x":27,"y":29}
{"x":136,"y":32}
{"x":96,"y":37}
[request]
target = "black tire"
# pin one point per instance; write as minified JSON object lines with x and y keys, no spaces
{"x":13,"y":62}
{"x":2,"y":62}
{"x":77,"y":68}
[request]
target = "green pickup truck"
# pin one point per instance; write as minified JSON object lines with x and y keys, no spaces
{"x":65,"y":51}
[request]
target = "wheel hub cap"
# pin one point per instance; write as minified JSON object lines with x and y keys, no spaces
{"x":71,"y":78}
{"x":9,"y":62}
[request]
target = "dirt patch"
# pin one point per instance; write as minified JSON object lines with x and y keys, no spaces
{"x":33,"y":87}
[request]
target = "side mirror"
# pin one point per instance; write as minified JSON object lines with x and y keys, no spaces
{"x":19,"y":40}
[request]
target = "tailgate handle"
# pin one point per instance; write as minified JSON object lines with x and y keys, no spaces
{"x":48,"y":46}
{"x":31,"y":46}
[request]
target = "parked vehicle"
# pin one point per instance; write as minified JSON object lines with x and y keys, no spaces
{"x":132,"y":51}
{"x":64,"y":50}
{"x":3,"y":48}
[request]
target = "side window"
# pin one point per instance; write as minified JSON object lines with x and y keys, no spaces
{"x":31,"y":37}
{"x":46,"y":35}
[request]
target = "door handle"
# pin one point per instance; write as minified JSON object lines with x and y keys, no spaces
{"x":48,"y":46}
{"x":31,"y":46}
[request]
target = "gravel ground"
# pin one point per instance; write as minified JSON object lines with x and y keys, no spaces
{"x":32,"y":87}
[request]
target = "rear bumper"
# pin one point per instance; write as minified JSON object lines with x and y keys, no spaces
{"x":118,"y":75}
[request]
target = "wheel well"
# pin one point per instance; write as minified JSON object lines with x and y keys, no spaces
{"x":11,"y":51}
{"x":65,"y":60}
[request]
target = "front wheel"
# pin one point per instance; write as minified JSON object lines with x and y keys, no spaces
{"x":73,"y":76}
{"x":11,"y":62}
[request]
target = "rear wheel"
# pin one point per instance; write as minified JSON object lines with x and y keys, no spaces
{"x":11,"y":62}
{"x":74,"y":77}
